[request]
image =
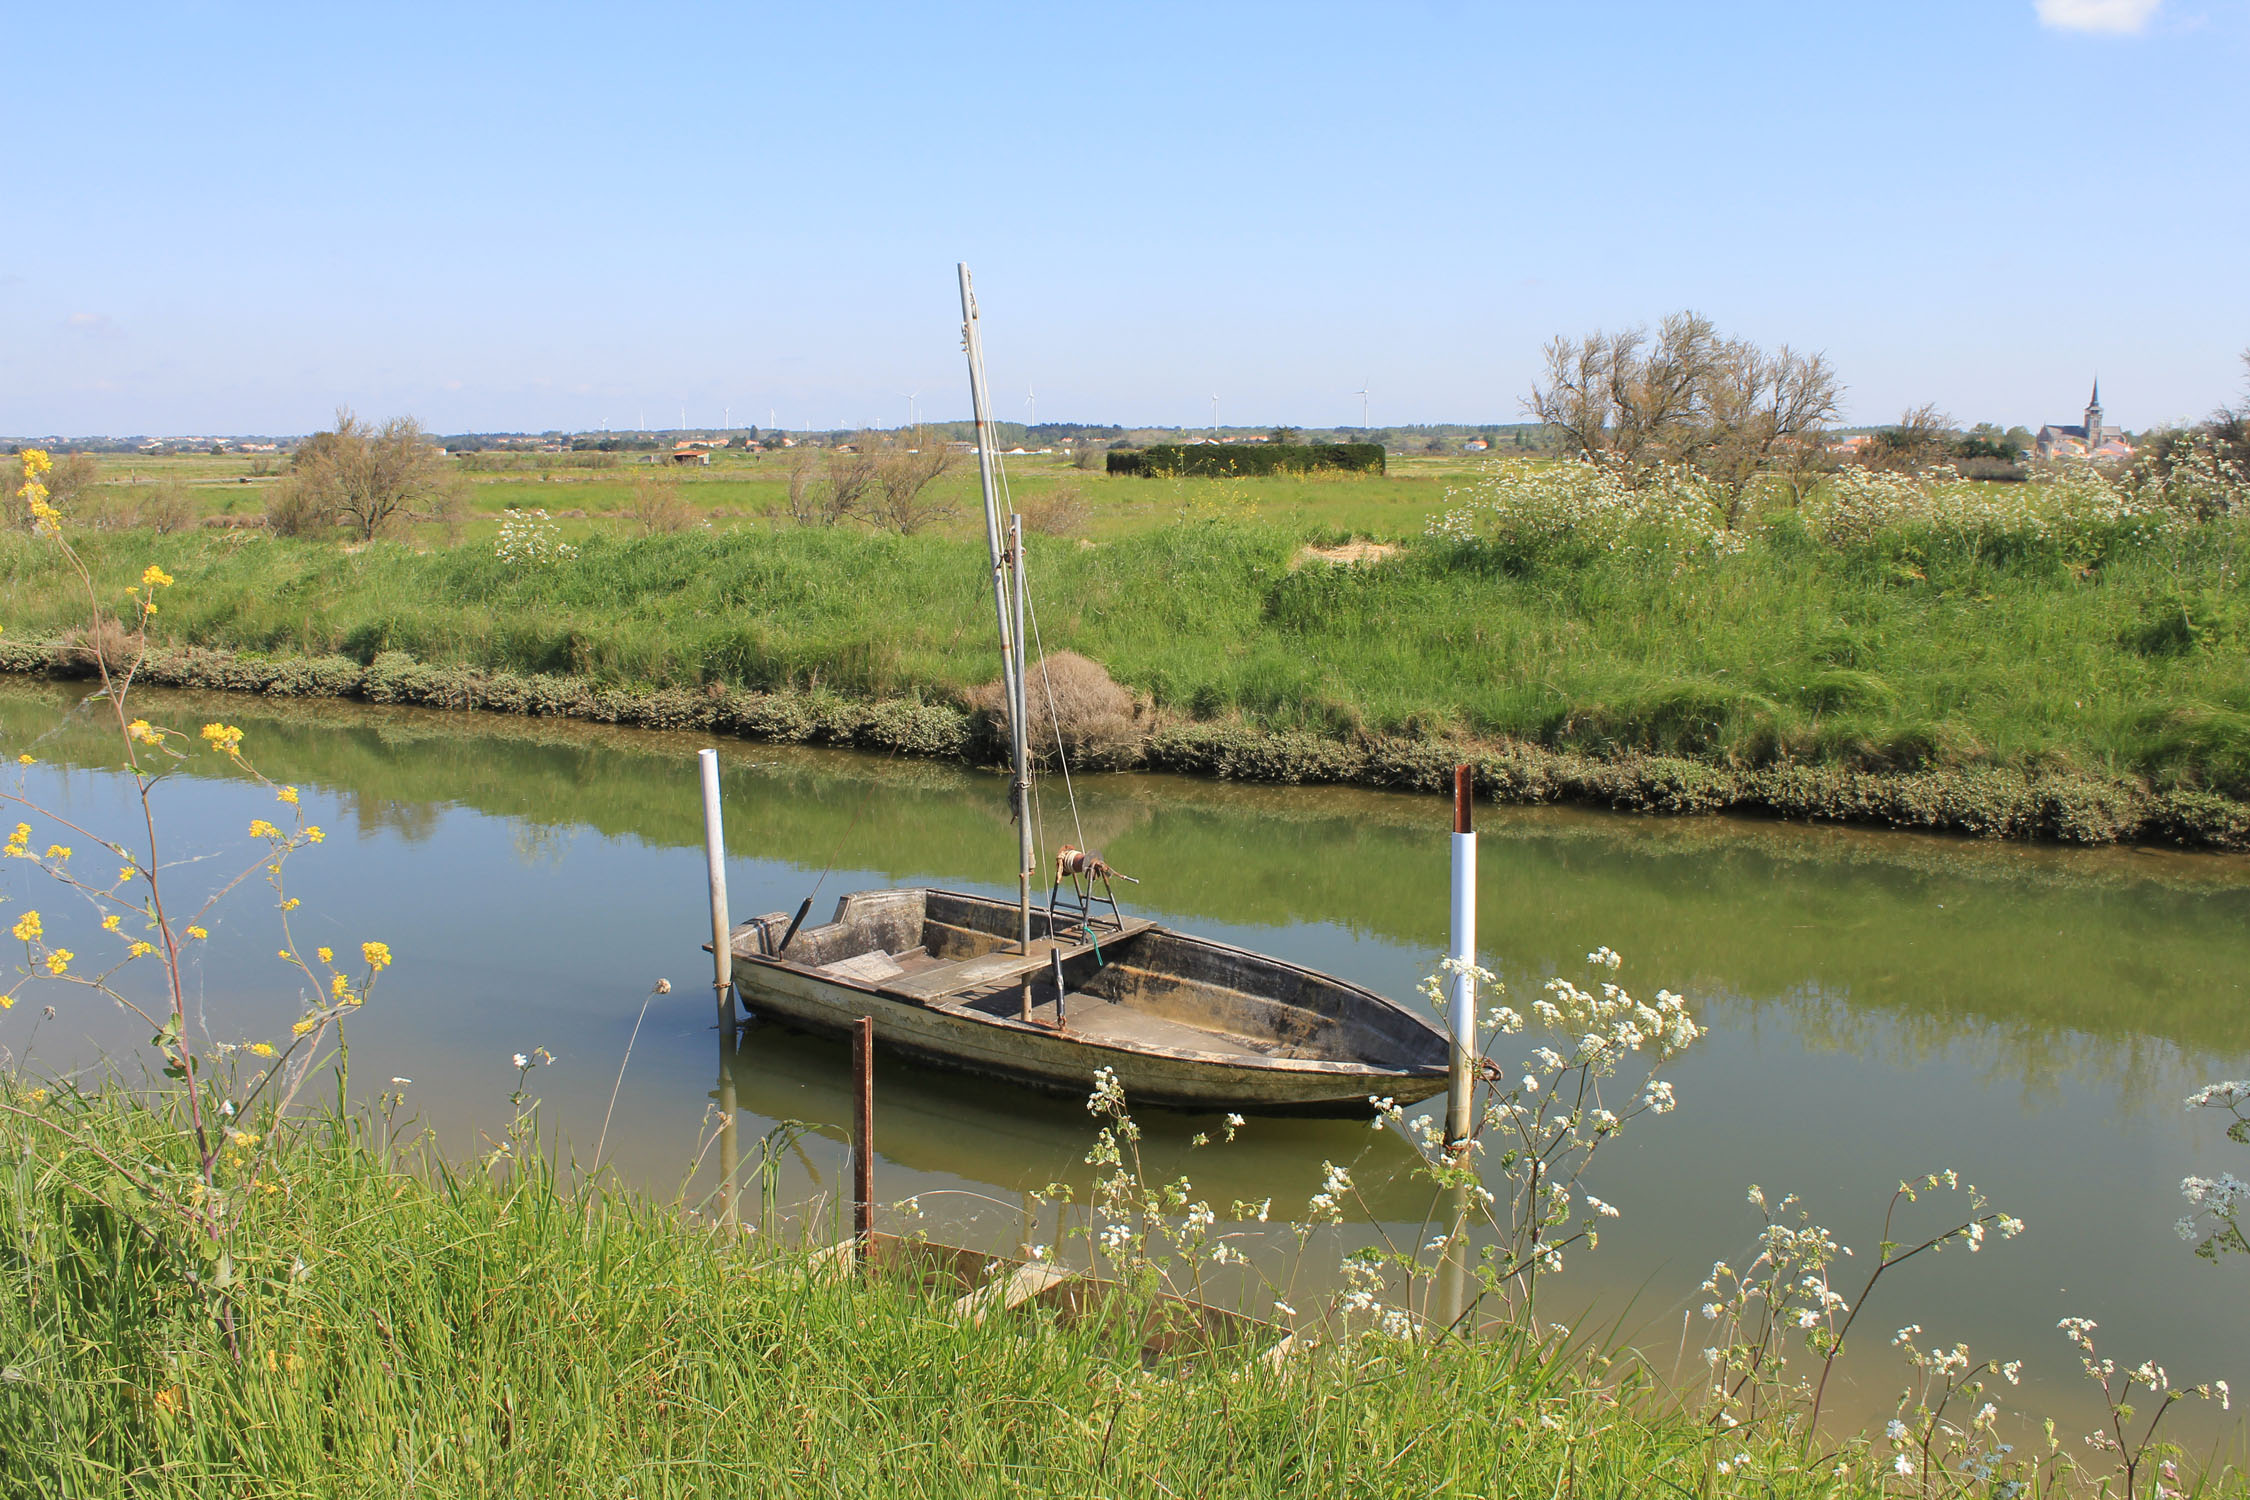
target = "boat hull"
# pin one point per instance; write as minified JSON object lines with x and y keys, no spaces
{"x":1217,"y":1072}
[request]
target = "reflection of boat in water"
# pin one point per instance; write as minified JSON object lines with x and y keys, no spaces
{"x":993,"y":988}
{"x":947,"y":1124}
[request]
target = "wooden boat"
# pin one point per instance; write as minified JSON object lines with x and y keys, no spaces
{"x":1003,"y":989}
{"x":1185,"y":1022}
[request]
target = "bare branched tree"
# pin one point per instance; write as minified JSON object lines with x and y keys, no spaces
{"x":1761,"y":412}
{"x":835,"y":487}
{"x":1922,"y":436}
{"x":899,"y":500}
{"x":371,"y":478}
{"x":1729,"y":408}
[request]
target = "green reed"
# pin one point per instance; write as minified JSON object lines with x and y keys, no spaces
{"x":388,"y":1322}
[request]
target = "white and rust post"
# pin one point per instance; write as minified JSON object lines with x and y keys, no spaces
{"x":715,"y":855}
{"x":1461,"y":1086}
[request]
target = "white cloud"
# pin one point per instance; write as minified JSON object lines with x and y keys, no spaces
{"x":2108,"y":17}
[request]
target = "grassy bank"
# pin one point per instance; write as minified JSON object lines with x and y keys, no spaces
{"x":374,"y":1326}
{"x":2089,"y":682}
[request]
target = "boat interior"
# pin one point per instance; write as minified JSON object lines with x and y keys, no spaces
{"x":1125,"y":982}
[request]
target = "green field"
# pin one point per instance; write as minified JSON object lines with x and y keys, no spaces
{"x":2096,"y":646}
{"x":747,"y":489}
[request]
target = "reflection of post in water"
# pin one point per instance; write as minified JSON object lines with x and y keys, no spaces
{"x":730,"y":1150}
{"x":1450,"y":1302}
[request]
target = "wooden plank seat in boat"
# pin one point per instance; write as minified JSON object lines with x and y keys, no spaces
{"x":991,"y":970}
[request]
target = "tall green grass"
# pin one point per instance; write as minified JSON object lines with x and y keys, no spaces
{"x":1918,"y":651}
{"x":385,"y":1328}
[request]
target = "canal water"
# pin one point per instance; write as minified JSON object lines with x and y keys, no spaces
{"x":1878,"y":1004}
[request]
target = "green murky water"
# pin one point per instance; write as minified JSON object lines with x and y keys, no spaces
{"x":1879,"y":1004}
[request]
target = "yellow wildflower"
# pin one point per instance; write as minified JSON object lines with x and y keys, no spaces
{"x":36,"y":461}
{"x":262,"y":1049}
{"x":307,"y":1024}
{"x":198,"y":933}
{"x":287,"y":794}
{"x":109,"y":923}
{"x":224,"y":738}
{"x":340,"y":986}
{"x":155,"y":577}
{"x":291,"y":904}
{"x":39,"y":1096}
{"x":146,"y":733}
{"x":140,"y":950}
{"x":378,"y":955}
{"x":286,"y":954}
{"x":58,"y":851}
{"x":27,"y":927}
{"x":27,"y":759}
{"x":243,"y":1138}
{"x":125,"y":873}
{"x":327,"y":954}
{"x":313,"y":833}
{"x":261,"y":829}
{"x":58,"y":960}
{"x":7,"y":1002}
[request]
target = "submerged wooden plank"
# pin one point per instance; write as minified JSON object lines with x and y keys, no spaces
{"x":1003,"y":1293}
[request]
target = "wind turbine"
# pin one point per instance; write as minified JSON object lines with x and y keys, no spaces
{"x":1362,"y":394}
{"x":1214,"y":416}
{"x":911,"y":398}
{"x":1031,"y":406}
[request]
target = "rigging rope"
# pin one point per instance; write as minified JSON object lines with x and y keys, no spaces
{"x":1030,"y":805}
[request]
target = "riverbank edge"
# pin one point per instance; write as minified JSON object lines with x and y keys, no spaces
{"x":1982,"y":801}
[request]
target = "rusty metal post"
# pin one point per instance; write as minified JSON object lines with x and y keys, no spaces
{"x":1462,"y":1079}
{"x":863,"y":1131}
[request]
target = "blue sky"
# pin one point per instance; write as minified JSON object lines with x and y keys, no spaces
{"x":230,"y":218}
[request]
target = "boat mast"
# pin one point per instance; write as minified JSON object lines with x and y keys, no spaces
{"x":1004,"y":561}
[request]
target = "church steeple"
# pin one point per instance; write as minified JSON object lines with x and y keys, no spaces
{"x":2094,"y":416}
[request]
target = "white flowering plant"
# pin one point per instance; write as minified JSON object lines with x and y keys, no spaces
{"x":1155,"y":1236}
{"x":2213,"y":1223}
{"x":1535,"y":1130}
{"x":1520,"y":513}
{"x":2136,"y":1447}
{"x":528,"y":539}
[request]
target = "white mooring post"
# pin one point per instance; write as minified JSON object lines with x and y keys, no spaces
{"x":1464,"y":1017}
{"x":715,"y":855}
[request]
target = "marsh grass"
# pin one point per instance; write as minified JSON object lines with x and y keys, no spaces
{"x":1914,"y":652}
{"x":412,"y":1325}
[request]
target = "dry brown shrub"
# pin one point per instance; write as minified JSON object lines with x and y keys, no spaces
{"x":657,"y":506}
{"x":294,"y":508}
{"x":1061,"y":511}
{"x":105,"y":643}
{"x":1101,"y":724}
{"x":168,"y":508}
